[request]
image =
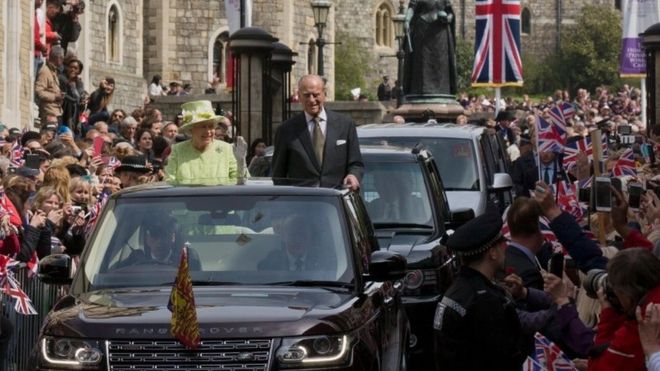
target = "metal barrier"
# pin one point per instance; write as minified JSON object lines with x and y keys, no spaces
{"x":26,"y":328}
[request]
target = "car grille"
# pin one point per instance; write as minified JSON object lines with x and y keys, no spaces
{"x":243,"y":355}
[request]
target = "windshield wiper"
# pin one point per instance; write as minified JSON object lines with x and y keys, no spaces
{"x":206,"y":283}
{"x":329,"y":285}
{"x":402,"y":225}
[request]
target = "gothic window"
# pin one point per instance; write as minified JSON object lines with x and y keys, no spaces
{"x":113,"y":36}
{"x":311,"y":58}
{"x":221,"y":56}
{"x":526,"y":21}
{"x":384,"y":26}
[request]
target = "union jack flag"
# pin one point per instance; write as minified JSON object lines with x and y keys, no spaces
{"x":586,"y":183}
{"x":568,"y":201}
{"x":33,"y":265}
{"x":549,"y":356}
{"x":497,"y":59}
{"x":561,"y":113}
{"x":10,"y":286}
{"x":551,"y":138}
{"x":95,"y":211}
{"x":572,"y":149}
{"x":16,"y":154}
{"x":625,"y":165}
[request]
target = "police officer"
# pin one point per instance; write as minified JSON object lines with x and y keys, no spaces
{"x":476,"y":325}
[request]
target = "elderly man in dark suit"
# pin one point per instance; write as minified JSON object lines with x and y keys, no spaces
{"x":301,"y":251}
{"x":317,"y":147}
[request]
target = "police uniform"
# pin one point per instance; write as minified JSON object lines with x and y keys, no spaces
{"x":476,"y":325}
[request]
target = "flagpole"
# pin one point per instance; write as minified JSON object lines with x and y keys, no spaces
{"x":242,"y":5}
{"x":498,"y":97}
{"x":644,"y":102}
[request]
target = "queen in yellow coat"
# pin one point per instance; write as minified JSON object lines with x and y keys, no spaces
{"x":202,"y":159}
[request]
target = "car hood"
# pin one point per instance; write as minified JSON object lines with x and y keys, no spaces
{"x":400,"y":243}
{"x":466,"y":199}
{"x":221,"y":312}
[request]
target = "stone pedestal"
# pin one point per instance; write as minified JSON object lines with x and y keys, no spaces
{"x":442,"y":108}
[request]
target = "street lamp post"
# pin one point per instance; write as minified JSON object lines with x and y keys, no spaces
{"x":399,"y":33}
{"x":321,"y":9}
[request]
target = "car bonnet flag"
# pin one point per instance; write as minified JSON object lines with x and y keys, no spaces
{"x":184,"y":326}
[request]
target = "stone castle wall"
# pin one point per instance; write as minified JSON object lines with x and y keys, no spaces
{"x":16,"y":63}
{"x":130,"y":86}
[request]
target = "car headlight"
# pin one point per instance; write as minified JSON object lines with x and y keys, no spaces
{"x":315,"y":351}
{"x":73,"y":354}
{"x":414,"y":279}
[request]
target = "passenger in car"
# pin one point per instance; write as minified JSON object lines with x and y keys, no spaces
{"x":301,"y":251}
{"x":162,"y":246}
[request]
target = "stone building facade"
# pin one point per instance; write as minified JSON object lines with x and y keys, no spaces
{"x":16,"y":67}
{"x":186,"y":41}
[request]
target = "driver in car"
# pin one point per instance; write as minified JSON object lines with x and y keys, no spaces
{"x":395,"y":201}
{"x":301,"y":252}
{"x":161,"y":245}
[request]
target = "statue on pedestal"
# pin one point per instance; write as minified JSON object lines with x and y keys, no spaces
{"x":430,"y":61}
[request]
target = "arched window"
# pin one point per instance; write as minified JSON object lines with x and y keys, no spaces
{"x":221,"y":56}
{"x":114,"y":34}
{"x":311,"y":58}
{"x":526,"y":21}
{"x":384,"y":26}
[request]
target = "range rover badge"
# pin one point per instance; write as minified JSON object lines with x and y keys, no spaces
{"x":245,"y":356}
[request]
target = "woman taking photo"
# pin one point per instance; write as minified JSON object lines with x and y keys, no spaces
{"x":75,"y":96}
{"x":99,"y":101}
{"x":633,"y":275}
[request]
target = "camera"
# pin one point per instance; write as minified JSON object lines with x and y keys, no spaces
{"x":597,"y":279}
{"x":76,"y":209}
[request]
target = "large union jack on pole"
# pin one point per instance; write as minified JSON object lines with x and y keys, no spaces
{"x":497,"y":59}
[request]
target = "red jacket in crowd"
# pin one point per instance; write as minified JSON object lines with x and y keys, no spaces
{"x":620,"y":334}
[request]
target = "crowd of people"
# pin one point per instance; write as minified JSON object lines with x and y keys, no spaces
{"x":56,"y":180}
{"x":600,"y":310}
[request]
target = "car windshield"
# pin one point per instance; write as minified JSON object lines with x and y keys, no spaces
{"x":455,"y":158}
{"x":395,"y":193}
{"x":232,"y":240}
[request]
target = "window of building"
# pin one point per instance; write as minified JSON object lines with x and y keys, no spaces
{"x":221,"y":56}
{"x":526,"y":21}
{"x":384,"y":26}
{"x":617,"y":4}
{"x":311,"y":58}
{"x":114,"y":34}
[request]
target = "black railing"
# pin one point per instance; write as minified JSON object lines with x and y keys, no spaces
{"x":26,"y":328}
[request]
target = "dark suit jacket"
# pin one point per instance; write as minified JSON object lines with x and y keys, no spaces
{"x":294,"y":161}
{"x":525,"y":268}
{"x":525,"y":174}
